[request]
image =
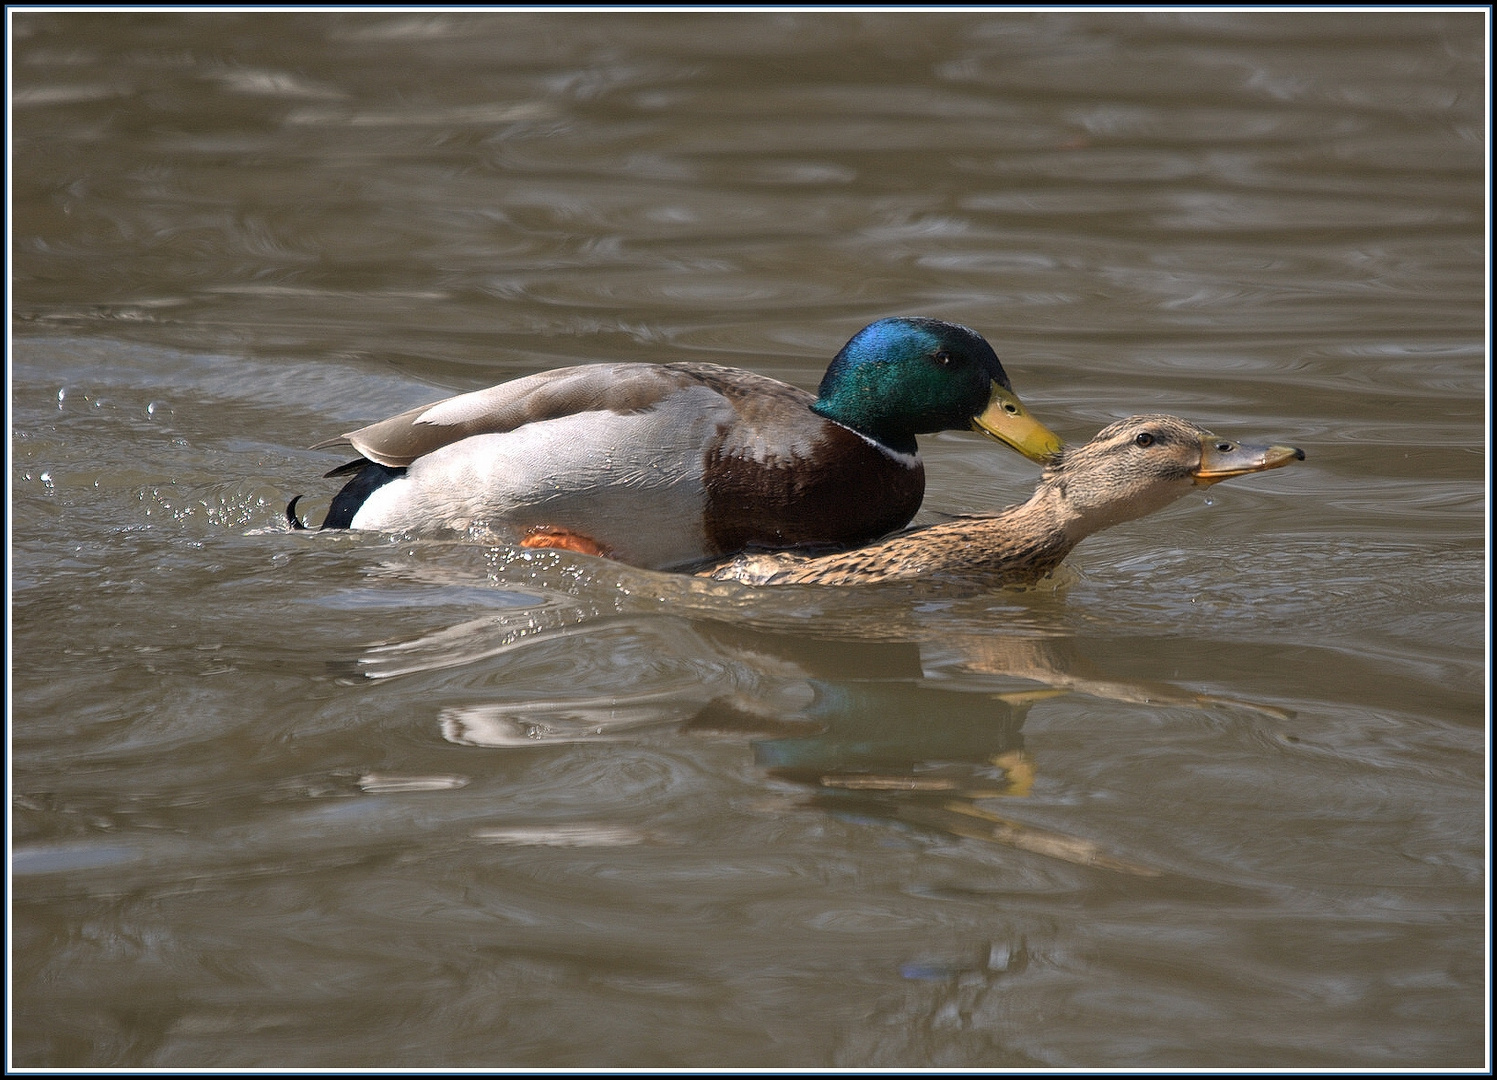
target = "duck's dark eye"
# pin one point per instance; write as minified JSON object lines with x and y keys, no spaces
{"x":942,"y":357}
{"x":1144,"y":438}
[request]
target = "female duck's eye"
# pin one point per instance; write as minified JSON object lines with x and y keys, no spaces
{"x":1143,"y":438}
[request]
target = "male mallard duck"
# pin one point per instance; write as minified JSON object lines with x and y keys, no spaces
{"x":1132,"y":468}
{"x":672,"y":464}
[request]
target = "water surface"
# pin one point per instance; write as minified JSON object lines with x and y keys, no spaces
{"x":302,"y":800}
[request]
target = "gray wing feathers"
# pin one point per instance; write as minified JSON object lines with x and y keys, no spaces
{"x":620,"y":388}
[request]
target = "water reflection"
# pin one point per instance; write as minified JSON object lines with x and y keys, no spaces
{"x":855,"y":718}
{"x":232,"y":230}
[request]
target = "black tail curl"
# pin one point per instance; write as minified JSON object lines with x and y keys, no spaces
{"x":368,"y":476}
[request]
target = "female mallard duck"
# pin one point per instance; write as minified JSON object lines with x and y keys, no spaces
{"x":1132,"y":468}
{"x":667,"y":465}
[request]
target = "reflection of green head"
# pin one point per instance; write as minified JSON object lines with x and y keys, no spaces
{"x":873,"y":725}
{"x":901,"y":377}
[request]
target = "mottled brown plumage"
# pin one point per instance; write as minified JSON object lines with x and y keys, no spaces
{"x":1132,"y":468}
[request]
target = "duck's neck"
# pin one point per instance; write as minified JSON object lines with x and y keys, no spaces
{"x":1081,"y":505}
{"x":1020,"y":544}
{"x":1015,"y":546}
{"x":886,"y":433}
{"x":1033,"y":538}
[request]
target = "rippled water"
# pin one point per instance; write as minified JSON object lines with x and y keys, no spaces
{"x":303,"y":800}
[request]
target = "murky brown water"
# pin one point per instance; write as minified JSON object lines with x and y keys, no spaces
{"x":306,"y":800}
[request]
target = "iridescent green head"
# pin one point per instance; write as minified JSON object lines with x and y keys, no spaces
{"x":899,"y":378}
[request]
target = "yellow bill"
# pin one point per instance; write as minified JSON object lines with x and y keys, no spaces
{"x":1007,"y":420}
